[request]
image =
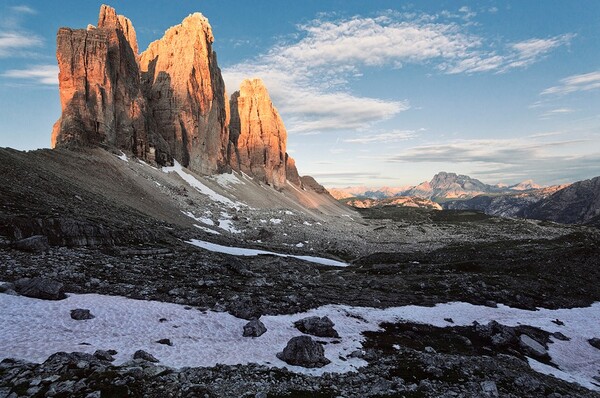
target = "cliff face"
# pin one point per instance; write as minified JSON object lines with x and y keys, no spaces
{"x":259,"y":137}
{"x":100,"y":88}
{"x":186,"y":95}
{"x":166,"y":103}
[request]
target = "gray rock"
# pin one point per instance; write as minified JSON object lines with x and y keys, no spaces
{"x":532,"y":346}
{"x":320,"y":327}
{"x":104,"y":355}
{"x":41,"y":288}
{"x":165,"y":342}
{"x":33,"y":244}
{"x":304,"y":351}
{"x":141,"y":354}
{"x":254,"y":328}
{"x":489,"y":388}
{"x":528,"y":383}
{"x":594,"y":342}
{"x":6,"y":286}
{"x":80,"y":314}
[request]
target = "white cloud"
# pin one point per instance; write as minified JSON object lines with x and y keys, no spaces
{"x":23,"y":9}
{"x":509,"y":159}
{"x":517,"y":55}
{"x":583,"y":82}
{"x":392,"y":136}
{"x":42,"y":74}
{"x":308,"y":75}
{"x":492,"y":151}
{"x":13,"y":43}
{"x":557,"y":111}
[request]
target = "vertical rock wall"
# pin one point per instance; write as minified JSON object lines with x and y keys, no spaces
{"x":168,"y":102}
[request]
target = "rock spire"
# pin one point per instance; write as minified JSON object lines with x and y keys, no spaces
{"x":168,"y":102}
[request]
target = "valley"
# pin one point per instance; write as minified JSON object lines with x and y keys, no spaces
{"x":168,"y":246}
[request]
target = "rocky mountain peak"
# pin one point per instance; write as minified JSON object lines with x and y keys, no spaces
{"x":167,"y":103}
{"x":259,"y":136}
{"x":525,"y":185}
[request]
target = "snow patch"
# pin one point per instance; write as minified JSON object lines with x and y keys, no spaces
{"x":242,"y":251}
{"x":226,"y":224}
{"x":226,"y":180}
{"x":33,"y":329}
{"x":203,"y":220}
{"x":123,"y":157}
{"x":205,"y":229}
{"x":193,"y":182}
{"x":275,"y":221}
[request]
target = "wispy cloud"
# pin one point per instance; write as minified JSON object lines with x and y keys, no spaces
{"x":41,"y":74}
{"x":556,"y":112}
{"x":493,"y":151}
{"x":14,"y":40}
{"x":15,"y":43}
{"x":516,"y":55}
{"x":571,"y":84}
{"x":392,"y":136}
{"x":509,"y":159}
{"x":309,"y":73}
{"x":23,"y":9}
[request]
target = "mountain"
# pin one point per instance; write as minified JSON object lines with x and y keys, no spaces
{"x":400,"y":201}
{"x":578,"y":203}
{"x":367,"y":192}
{"x":441,"y":187}
{"x":450,"y":186}
{"x":504,"y":205}
{"x":166,"y":104}
{"x":526,"y":185}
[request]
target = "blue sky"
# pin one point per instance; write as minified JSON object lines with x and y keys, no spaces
{"x":381,"y":93}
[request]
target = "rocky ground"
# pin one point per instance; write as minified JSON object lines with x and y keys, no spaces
{"x":121,"y":231}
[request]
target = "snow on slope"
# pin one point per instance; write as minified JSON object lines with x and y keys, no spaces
{"x":190,"y":179}
{"x":33,"y":329}
{"x":242,"y":251}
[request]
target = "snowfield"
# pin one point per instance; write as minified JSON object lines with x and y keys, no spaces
{"x":33,"y":329}
{"x":193,"y":182}
{"x":242,"y":251}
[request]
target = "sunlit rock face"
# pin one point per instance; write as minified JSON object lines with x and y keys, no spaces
{"x":186,"y":95}
{"x":100,"y":88}
{"x":167,"y":103}
{"x":259,"y":136}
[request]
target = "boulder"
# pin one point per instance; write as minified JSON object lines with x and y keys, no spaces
{"x":594,"y":342}
{"x":141,"y":354}
{"x":41,"y":288}
{"x":304,"y":351}
{"x":104,"y":355}
{"x":254,"y":328}
{"x":320,"y":327}
{"x":165,"y":342}
{"x":489,"y":388}
{"x":80,"y":314}
{"x":33,"y":244}
{"x":532,"y":346}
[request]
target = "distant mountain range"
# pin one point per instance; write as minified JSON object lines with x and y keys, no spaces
{"x":577,"y":203}
{"x":443,"y":186}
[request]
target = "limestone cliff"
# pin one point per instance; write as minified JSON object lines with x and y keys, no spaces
{"x":166,"y":103}
{"x":186,"y":95}
{"x":100,"y":88}
{"x":259,"y":137}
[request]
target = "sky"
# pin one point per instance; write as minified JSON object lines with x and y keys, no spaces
{"x":377,"y":93}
